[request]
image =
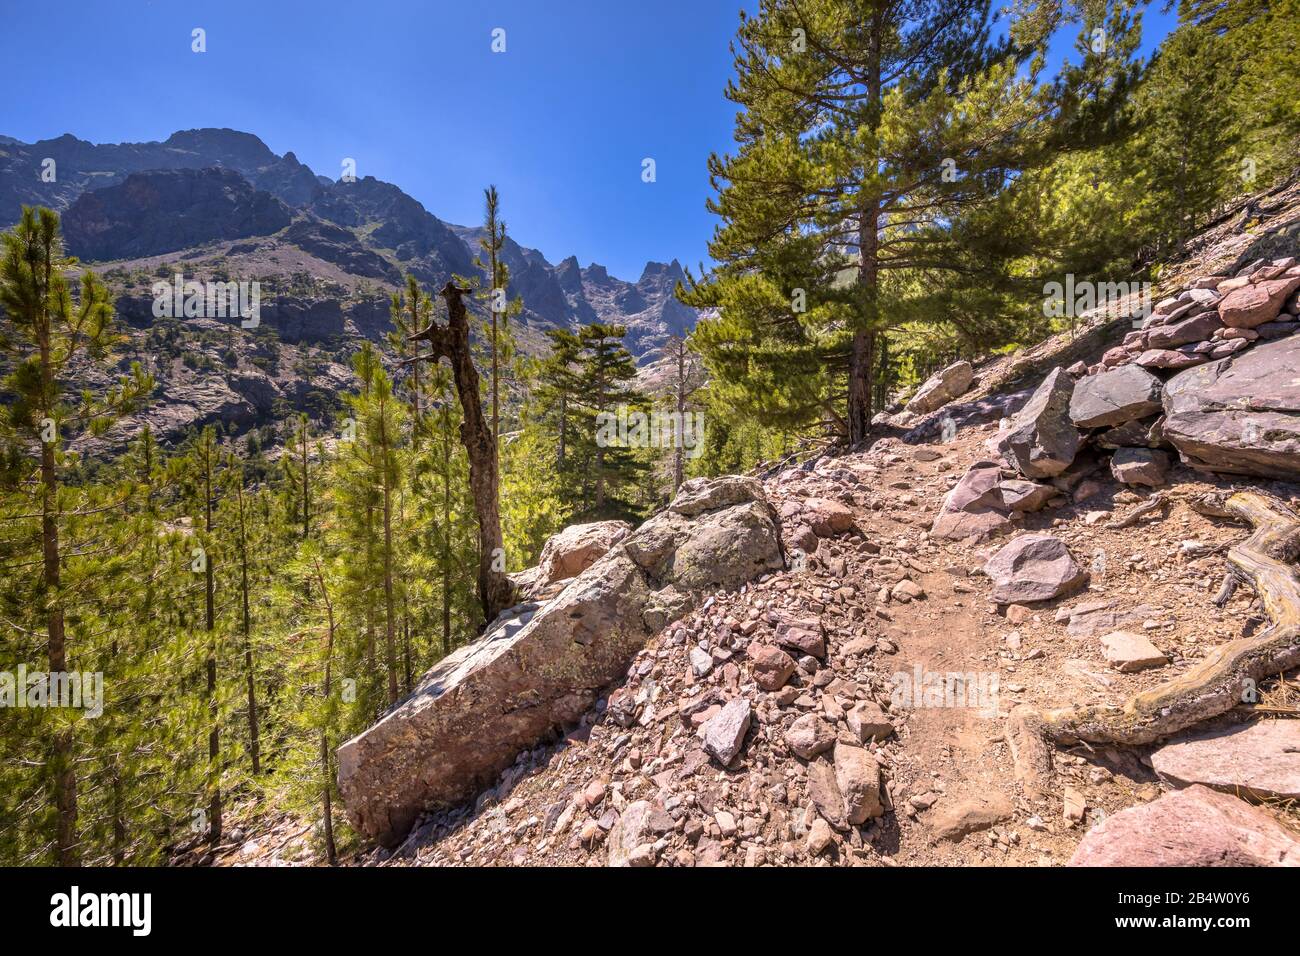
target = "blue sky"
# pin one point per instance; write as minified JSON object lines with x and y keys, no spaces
{"x":560,"y":122}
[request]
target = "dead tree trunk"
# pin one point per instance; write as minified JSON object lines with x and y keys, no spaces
{"x":452,"y":343}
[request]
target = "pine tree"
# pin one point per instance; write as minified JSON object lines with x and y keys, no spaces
{"x":557,"y":390}
{"x":1186,"y":137}
{"x":869,"y":129}
{"x":200,"y":472}
{"x":410,"y":312}
{"x":606,"y":395}
{"x":47,"y":334}
{"x":234,"y":475}
{"x":500,"y":341}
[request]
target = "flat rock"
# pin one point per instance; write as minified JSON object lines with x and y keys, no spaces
{"x":1128,"y":652}
{"x":941,"y":388}
{"x":1094,"y":617}
{"x":956,"y":818}
{"x":1260,"y":760}
{"x":1192,"y":329}
{"x":974,"y":508}
{"x":1193,"y":827}
{"x":824,"y":791}
{"x":1169,"y":359}
{"x":1115,"y":397}
{"x":1034,"y":567}
{"x":545,"y":666}
{"x":1239,"y":415}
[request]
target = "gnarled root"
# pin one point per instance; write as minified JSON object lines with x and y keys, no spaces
{"x":1212,"y":687}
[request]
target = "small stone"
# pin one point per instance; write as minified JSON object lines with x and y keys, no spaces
{"x":725,"y":733}
{"x":819,"y":837}
{"x":809,"y":735}
{"x":1074,"y":805}
{"x":1018,"y":613}
{"x":1034,"y":567}
{"x":771,"y":666}
{"x":868,"y":722}
{"x":1140,"y":466}
{"x":907,"y":590}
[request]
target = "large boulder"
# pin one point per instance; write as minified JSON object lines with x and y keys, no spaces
{"x":1239,"y":415}
{"x":1042,"y":440}
{"x":1192,"y":827}
{"x":1253,"y":305}
{"x":941,"y":388}
{"x":974,"y":507}
{"x":543,"y":666}
{"x":1111,"y":398}
{"x":1034,"y":567}
{"x":982,"y":503}
{"x":576,"y":548}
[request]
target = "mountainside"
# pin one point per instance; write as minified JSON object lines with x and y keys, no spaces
{"x":218,"y":205}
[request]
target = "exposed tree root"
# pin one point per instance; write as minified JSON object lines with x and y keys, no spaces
{"x":1156,"y":503}
{"x":1212,"y":687}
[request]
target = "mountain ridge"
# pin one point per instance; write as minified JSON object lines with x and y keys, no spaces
{"x":384,"y":220}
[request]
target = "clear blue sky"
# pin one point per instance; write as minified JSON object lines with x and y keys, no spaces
{"x":411,"y":89}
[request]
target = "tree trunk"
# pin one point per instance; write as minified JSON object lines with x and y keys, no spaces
{"x":862,"y":353}
{"x":446,"y":531}
{"x":452,"y":342}
{"x":306,"y":514}
{"x":67,"y":851}
{"x":679,"y":452}
{"x":390,"y":637}
{"x":210,"y":620}
{"x":564,"y":432}
{"x":65,"y":777}
{"x":254,"y":744}
{"x":327,"y":781}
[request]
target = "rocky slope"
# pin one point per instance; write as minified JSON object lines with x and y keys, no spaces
{"x":869,"y":685}
{"x":218,"y":205}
